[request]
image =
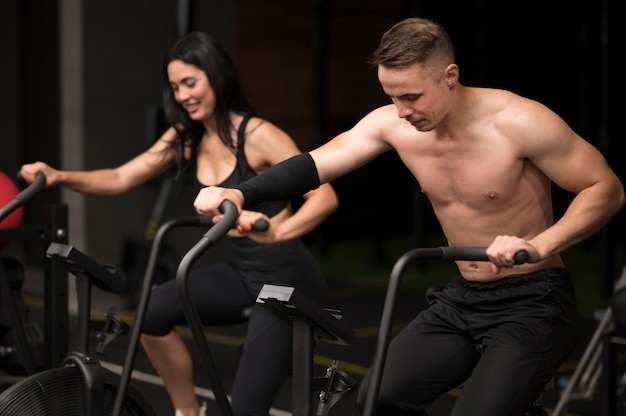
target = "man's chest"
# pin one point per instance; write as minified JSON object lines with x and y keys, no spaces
{"x":468,"y":175}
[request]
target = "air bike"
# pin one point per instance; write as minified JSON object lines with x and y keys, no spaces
{"x":21,"y":349}
{"x":81,"y":386}
{"x":311,"y":322}
{"x":436,"y":253}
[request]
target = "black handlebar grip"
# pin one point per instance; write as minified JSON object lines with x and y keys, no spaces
{"x":21,"y":198}
{"x":260,"y":225}
{"x":521,"y":257}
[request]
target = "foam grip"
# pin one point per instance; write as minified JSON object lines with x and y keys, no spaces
{"x":8,"y":192}
{"x":521,"y":257}
{"x":260,"y":225}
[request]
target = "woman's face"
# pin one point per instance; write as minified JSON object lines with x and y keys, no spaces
{"x":192,"y":90}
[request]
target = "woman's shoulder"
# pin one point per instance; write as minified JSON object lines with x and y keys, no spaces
{"x":263,"y":132}
{"x":265,"y":142}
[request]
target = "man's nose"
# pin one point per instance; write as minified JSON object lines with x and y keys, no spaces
{"x":403,"y":110}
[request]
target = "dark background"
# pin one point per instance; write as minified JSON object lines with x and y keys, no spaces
{"x":303,"y":64}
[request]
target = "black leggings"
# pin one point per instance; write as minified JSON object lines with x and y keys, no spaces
{"x":504,"y":339}
{"x":222,"y":291}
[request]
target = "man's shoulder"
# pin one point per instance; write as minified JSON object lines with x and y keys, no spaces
{"x":496,"y":93}
{"x":500,"y":101}
{"x":382,"y":115}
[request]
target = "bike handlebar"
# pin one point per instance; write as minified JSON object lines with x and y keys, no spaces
{"x":475,"y":253}
{"x":260,"y":225}
{"x":229,"y":210}
{"x":208,"y":240}
{"x":20,"y":199}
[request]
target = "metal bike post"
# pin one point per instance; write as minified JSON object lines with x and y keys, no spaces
{"x":56,"y":314}
{"x":209,"y":239}
{"x":131,"y":353}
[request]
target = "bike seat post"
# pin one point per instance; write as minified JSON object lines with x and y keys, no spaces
{"x":83,"y":291}
{"x":302,"y":367}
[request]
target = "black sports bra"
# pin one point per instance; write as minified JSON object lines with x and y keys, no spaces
{"x":243,"y":172}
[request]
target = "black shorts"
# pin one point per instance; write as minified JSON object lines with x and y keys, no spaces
{"x":502,"y":340}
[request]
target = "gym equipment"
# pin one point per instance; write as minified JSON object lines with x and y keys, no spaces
{"x":91,"y":389}
{"x":79,"y":386}
{"x":146,"y":288}
{"x":12,"y":215}
{"x":17,"y":358}
{"x":54,"y":229}
{"x":144,"y":297}
{"x":322,"y":324}
{"x":618,"y":305}
{"x":614,"y":387}
{"x":87,"y":388}
{"x":136,"y":254}
{"x":436,"y":253}
{"x":598,"y":359}
{"x":98,"y":387}
{"x":310,"y":323}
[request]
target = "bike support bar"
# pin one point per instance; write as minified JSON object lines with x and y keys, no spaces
{"x":210,"y":238}
{"x":131,"y":353}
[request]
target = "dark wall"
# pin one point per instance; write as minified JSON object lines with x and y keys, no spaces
{"x":303,"y":64}
{"x":29,"y":116}
{"x":10,"y":127}
{"x":123,"y":46}
{"x":549,"y":51}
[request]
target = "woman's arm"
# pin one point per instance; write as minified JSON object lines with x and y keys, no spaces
{"x":110,"y":181}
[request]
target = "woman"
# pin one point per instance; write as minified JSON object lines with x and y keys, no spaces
{"x":215,"y":131}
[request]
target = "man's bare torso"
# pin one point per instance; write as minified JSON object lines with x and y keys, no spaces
{"x":479,"y":186}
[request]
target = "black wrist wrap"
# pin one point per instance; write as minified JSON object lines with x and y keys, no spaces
{"x":290,"y":178}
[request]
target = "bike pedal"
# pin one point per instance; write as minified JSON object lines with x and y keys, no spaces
{"x":114,"y":326}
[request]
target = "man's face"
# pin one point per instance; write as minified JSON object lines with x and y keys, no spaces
{"x":416,"y":93}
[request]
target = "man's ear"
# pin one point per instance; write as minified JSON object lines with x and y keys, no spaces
{"x":452,"y":74}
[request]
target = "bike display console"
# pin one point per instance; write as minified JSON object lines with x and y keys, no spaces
{"x":290,"y":304}
{"x":105,"y":277}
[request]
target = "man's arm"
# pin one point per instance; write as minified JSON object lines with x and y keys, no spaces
{"x":301,"y":173}
{"x":285,"y":180}
{"x":574,"y":165}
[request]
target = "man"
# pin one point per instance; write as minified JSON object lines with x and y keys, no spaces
{"x":486,"y":159}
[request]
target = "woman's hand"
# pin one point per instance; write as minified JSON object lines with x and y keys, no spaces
{"x":244,"y":227}
{"x":28,"y":172}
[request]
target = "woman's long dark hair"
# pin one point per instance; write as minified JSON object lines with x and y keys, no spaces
{"x":201,"y":50}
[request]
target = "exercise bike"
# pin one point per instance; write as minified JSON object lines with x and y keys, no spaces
{"x":19,"y":349}
{"x":437,"y":253}
{"x":79,"y":386}
{"x":310,"y":323}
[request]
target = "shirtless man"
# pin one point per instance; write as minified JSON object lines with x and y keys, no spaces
{"x":486,"y":159}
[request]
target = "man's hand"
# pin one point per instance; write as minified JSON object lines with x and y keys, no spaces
{"x":209,"y":200}
{"x":502,"y":252}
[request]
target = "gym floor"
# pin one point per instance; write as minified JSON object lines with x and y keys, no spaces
{"x":361,"y":311}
